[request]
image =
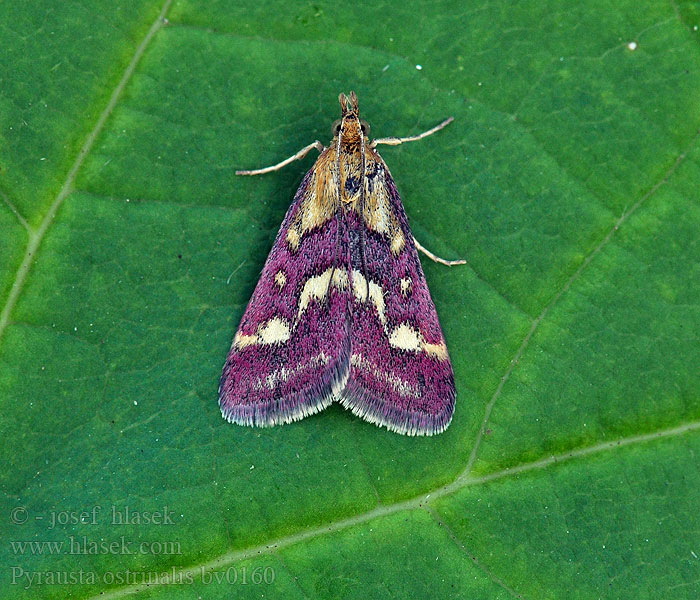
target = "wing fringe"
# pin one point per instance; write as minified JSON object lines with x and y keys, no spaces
{"x":293,"y":407}
{"x":369,"y":407}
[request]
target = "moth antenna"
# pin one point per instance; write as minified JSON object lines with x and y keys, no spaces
{"x":343,"y":99}
{"x":353,"y":102}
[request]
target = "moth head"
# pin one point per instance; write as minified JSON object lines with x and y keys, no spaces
{"x":350,"y":124}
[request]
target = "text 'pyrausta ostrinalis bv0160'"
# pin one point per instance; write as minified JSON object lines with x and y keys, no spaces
{"x":342,"y":311}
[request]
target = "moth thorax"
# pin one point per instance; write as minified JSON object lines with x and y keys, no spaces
{"x":350,"y":132}
{"x":350,"y":176}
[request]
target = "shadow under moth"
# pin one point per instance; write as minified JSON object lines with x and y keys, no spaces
{"x":342,"y":311}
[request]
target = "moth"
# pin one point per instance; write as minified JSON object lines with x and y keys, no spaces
{"x":342,"y":311}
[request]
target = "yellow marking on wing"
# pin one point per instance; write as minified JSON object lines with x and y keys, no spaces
{"x":439,"y":351}
{"x":340,"y":278}
{"x":359,"y":286}
{"x":397,"y":242}
{"x":275,"y":331}
{"x":376,"y":295}
{"x":316,"y":287}
{"x":293,"y":237}
{"x":378,"y":213}
{"x":405,"y":338}
{"x":241,"y":341}
{"x":319,"y":203}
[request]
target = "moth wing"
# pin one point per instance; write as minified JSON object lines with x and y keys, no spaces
{"x":400,"y":376}
{"x":291,"y":351}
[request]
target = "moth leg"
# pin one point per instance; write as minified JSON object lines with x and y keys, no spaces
{"x":298,"y":156}
{"x":395,"y":141}
{"x":437,"y":259}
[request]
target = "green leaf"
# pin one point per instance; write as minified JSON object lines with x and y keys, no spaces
{"x":568,"y":180}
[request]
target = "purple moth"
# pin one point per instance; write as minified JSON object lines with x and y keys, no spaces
{"x":342,"y":311}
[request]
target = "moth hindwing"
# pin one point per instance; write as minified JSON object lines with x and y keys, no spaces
{"x":342,"y":311}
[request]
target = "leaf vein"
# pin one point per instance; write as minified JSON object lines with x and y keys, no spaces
{"x":567,"y":285}
{"x":14,"y":210}
{"x":37,"y":236}
{"x":417,"y":502}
